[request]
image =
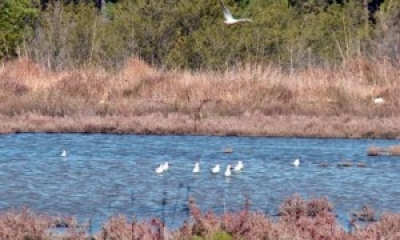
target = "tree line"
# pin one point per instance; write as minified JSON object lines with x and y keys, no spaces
{"x":190,"y":34}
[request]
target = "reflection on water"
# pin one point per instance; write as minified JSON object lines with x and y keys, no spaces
{"x":109,"y":174}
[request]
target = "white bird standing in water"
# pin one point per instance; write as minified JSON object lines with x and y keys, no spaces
{"x":228,"y":172}
{"x":64,"y":153}
{"x":166,"y":166}
{"x":216,"y":168}
{"x":296,"y":162}
{"x":160,"y":169}
{"x":239,"y":166}
{"x":229,"y":19}
{"x":196,"y":168}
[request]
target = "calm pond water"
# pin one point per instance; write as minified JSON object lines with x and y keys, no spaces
{"x":109,"y":174}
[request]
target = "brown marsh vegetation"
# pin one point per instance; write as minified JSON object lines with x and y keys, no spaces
{"x":298,"y":219}
{"x":25,"y":224}
{"x":245,"y":100}
{"x":380,"y":151}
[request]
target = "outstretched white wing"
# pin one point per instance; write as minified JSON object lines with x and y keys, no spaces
{"x":229,"y":19}
{"x":244,"y":20}
{"x":227,"y":14}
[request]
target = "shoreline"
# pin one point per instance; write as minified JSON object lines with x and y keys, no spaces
{"x":254,"y":125}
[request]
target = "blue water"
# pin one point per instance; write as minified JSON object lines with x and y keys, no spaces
{"x":104,"y":175}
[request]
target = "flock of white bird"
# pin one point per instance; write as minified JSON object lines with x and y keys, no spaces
{"x":163,"y":167}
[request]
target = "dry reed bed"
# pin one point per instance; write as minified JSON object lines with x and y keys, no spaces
{"x":229,"y":102}
{"x":380,"y":151}
{"x":298,"y":219}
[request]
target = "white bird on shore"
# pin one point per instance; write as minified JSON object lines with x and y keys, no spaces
{"x":229,"y":19}
{"x":228,"y":172}
{"x":239,"y":166}
{"x":216,"y":169}
{"x":379,"y":100}
{"x":296,"y":162}
{"x":64,"y":153}
{"x":196,"y":168}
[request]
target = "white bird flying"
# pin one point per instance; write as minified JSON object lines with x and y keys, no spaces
{"x":216,"y":168}
{"x":229,"y":19}
{"x":196,"y":168}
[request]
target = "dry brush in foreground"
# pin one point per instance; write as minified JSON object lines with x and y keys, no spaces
{"x":298,"y":219}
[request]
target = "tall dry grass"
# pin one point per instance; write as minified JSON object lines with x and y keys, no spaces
{"x":28,"y":89}
{"x":393,"y":150}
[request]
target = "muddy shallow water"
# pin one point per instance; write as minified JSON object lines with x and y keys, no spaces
{"x":105,"y":174}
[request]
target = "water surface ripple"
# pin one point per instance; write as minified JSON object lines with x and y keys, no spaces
{"x":110,"y":174}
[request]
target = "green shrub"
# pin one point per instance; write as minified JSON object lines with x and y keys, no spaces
{"x":16,"y":21}
{"x":221,"y":235}
{"x":192,"y":35}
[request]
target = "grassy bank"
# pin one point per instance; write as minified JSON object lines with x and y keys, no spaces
{"x":298,"y":219}
{"x":246,"y":100}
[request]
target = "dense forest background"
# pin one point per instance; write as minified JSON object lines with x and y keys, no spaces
{"x":191,"y":34}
